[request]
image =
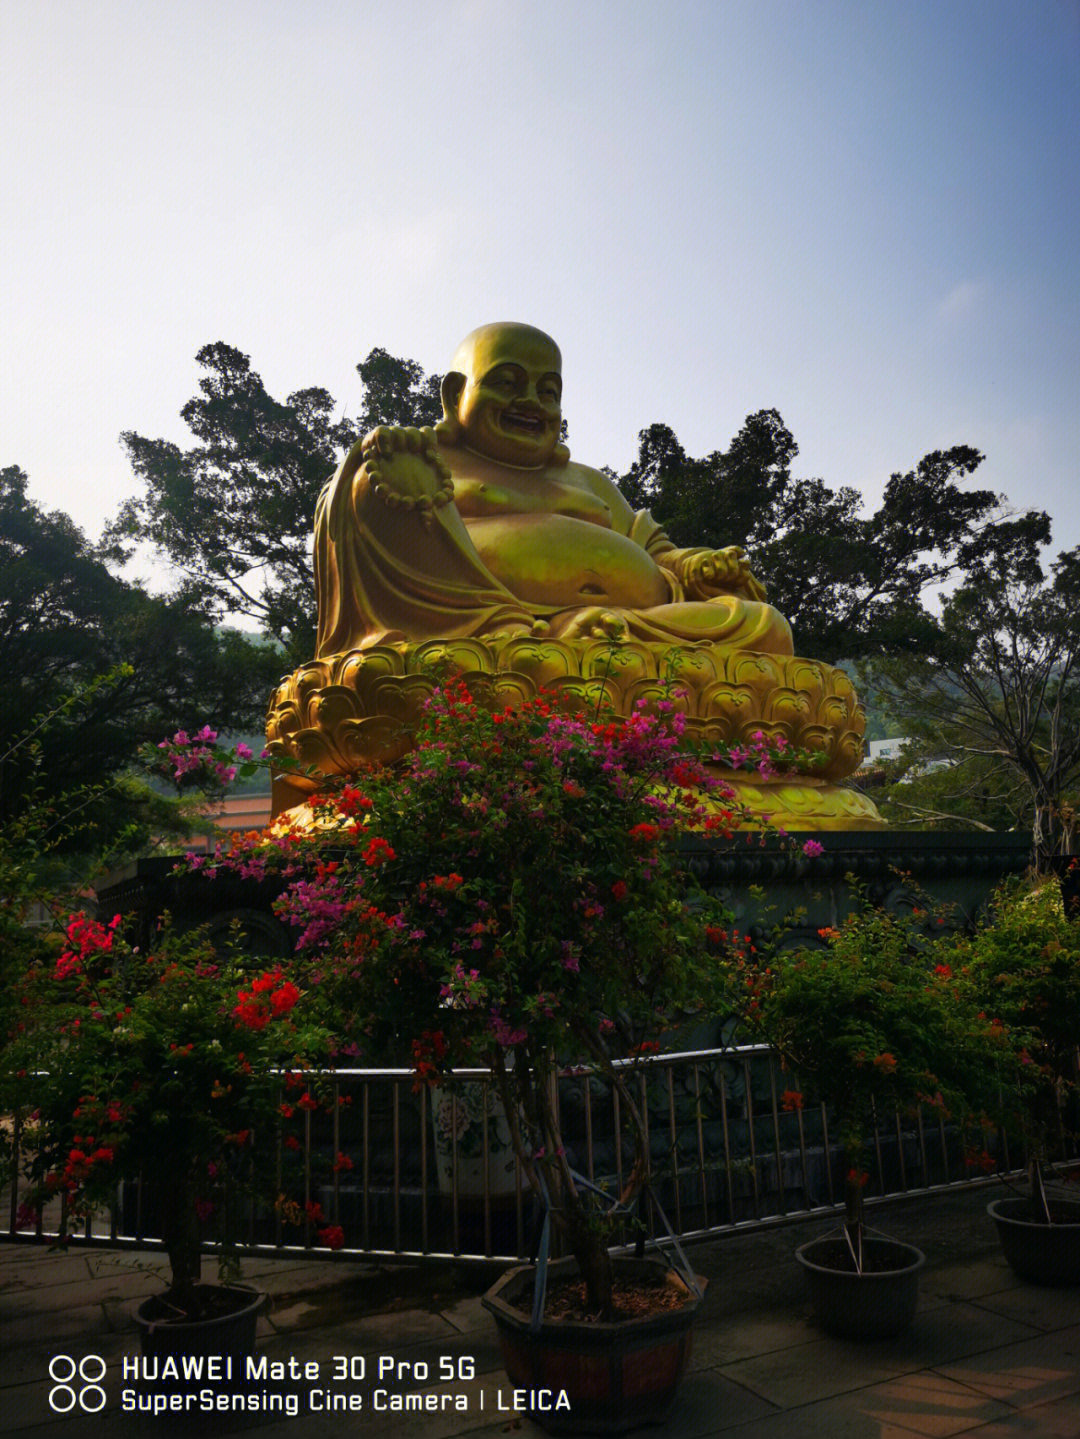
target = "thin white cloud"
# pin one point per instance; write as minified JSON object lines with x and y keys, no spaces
{"x":962,"y":300}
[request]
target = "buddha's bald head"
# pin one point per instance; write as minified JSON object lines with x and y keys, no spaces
{"x":502,"y":397}
{"x":505,"y":340}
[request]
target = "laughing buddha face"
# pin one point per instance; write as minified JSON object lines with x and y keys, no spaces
{"x":505,"y":390}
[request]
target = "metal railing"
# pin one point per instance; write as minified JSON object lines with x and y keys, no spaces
{"x":413,"y":1173}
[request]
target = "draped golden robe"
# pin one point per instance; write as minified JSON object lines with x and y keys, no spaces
{"x":569,"y":562}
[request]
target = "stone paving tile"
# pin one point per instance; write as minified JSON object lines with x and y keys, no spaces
{"x":269,"y":1267}
{"x":821,"y":1370}
{"x":26,"y":1406}
{"x":1057,"y":1420}
{"x":83,"y":1426}
{"x":104,"y":1263}
{"x":119,"y":1315}
{"x":317,"y":1279}
{"x":928,"y":1403}
{"x":131,"y":1287}
{"x":406,"y":1326}
{"x":1036,"y":1305}
{"x":720,"y":1342}
{"x":468,"y":1316}
{"x":482,"y":1347}
{"x":1021,"y":1375}
{"x":939,"y":1336}
{"x":988,"y":1275}
{"x":829,"y":1419}
{"x":85,"y":1324}
{"x":38,"y":1268}
{"x":333,"y":1307}
{"x":708,"y":1402}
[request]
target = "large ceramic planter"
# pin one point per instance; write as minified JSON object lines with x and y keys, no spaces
{"x":230,"y":1333}
{"x":1040,"y":1253}
{"x":877,"y":1304}
{"x":474,"y":1154}
{"x":615,"y":1376}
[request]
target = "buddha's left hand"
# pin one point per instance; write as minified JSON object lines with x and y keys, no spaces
{"x":707,"y":573}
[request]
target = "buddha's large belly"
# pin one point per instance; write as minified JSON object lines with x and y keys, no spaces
{"x":555,"y":560}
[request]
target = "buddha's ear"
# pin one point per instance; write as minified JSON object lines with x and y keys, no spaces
{"x":449,"y":427}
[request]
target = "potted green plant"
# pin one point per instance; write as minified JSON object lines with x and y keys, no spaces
{"x":868,"y":1024}
{"x":510,"y":897}
{"x":1024,"y":964}
{"x":157,"y":1066}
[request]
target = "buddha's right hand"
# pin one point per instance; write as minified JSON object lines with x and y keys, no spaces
{"x":706,"y":574}
{"x":403,"y":468}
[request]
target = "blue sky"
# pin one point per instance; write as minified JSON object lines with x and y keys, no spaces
{"x":863,"y":215}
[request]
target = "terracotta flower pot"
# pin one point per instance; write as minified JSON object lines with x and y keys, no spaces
{"x":1040,"y":1253}
{"x":877,"y":1304}
{"x":614,"y":1376}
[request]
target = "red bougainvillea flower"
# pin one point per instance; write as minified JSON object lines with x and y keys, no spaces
{"x":270,"y":997}
{"x":283,"y":999}
{"x":378,"y":851}
{"x":86,"y":938}
{"x":351,"y":802}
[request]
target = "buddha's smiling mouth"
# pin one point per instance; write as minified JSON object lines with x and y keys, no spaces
{"x":523,"y":424}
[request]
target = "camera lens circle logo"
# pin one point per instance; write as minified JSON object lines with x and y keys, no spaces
{"x":88,"y":1394}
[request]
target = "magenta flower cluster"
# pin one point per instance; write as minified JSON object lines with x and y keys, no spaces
{"x":194,"y":761}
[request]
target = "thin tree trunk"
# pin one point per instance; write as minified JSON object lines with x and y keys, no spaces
{"x":183,"y":1241}
{"x":853,"y":1206}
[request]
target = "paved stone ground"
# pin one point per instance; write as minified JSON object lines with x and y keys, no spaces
{"x":987,"y":1356}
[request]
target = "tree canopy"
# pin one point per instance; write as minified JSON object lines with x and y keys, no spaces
{"x":66,"y":622}
{"x":234,"y":513}
{"x":996,"y":693}
{"x":851,"y":585}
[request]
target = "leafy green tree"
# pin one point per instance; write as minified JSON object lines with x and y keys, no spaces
{"x":850,"y":584}
{"x":234,"y":513}
{"x":928,"y":787}
{"x":65,"y":623}
{"x":396,"y":392}
{"x":727,"y":497}
{"x":997,"y":688}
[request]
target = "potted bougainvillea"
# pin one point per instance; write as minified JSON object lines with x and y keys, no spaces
{"x":510,"y":896}
{"x":872,"y":1022}
{"x":1024,"y":964}
{"x":156,"y":1065}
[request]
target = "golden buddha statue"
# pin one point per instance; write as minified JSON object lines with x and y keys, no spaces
{"x":482,"y":546}
{"x":486,"y":525}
